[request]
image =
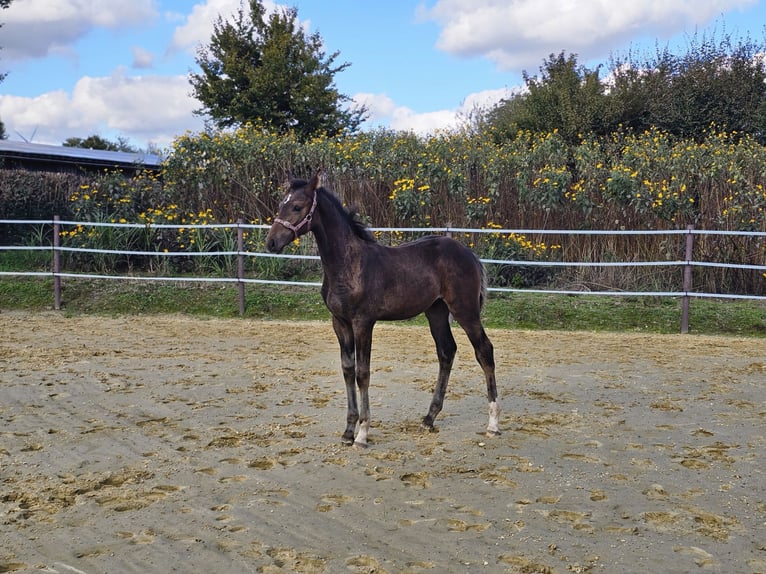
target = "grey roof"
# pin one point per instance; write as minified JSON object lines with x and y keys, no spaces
{"x":10,"y":148}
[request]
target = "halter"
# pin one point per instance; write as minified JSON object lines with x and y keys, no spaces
{"x":306,"y":220}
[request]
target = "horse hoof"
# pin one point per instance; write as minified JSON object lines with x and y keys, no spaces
{"x":427,"y":423}
{"x":492,"y":433}
{"x":359,"y":445}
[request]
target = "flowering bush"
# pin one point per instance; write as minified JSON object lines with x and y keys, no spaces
{"x":412,"y":204}
{"x":517,"y":247}
{"x":646,"y":180}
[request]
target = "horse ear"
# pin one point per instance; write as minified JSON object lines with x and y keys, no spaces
{"x":314,"y":183}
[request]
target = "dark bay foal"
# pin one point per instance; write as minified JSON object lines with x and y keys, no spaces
{"x":365,"y":282}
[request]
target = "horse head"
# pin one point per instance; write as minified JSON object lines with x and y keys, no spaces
{"x":296,"y":211}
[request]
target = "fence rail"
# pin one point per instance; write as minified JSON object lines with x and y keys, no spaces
{"x":685,"y":292}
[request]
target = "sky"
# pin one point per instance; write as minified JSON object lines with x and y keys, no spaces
{"x":121,"y":69}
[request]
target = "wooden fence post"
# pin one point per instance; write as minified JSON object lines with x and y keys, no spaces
{"x":241,"y":266}
{"x":56,"y":263}
{"x":687,"y":287}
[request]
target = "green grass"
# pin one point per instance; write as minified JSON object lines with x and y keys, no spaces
{"x":515,"y":311}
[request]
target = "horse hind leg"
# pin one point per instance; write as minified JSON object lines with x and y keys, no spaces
{"x":438,"y":319}
{"x":485,"y":355}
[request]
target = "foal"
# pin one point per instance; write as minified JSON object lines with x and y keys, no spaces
{"x":365,"y":281}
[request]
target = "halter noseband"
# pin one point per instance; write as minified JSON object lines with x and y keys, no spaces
{"x":306,"y":220}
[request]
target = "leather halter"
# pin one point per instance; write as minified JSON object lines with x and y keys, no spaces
{"x":306,"y":220}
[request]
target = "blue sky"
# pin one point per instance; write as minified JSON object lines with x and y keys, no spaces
{"x":79,"y":67}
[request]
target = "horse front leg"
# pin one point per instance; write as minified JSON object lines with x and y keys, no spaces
{"x":363,"y":344}
{"x":348,"y":365}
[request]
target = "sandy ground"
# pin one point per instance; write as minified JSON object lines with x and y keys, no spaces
{"x":171,"y":444}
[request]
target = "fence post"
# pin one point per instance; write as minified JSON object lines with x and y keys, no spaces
{"x":687,"y":287}
{"x":241,"y":266}
{"x":56,"y":263}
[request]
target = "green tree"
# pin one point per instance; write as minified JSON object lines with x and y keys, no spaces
{"x":97,"y":142}
{"x":269,"y":70}
{"x":566,"y":97}
{"x":719,"y":82}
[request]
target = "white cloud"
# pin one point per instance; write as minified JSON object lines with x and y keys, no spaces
{"x":383,"y":111}
{"x":198,"y":25}
{"x":423,"y":123}
{"x":145,"y":109}
{"x":142,"y":58}
{"x":515,"y":34}
{"x":487,"y":98}
{"x":378,"y":106}
{"x":38,"y":28}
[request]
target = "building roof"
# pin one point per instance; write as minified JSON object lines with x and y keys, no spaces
{"x":41,"y":156}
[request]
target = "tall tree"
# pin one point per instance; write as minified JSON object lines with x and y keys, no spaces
{"x":717,"y":81}
{"x":268,"y":69}
{"x":565,"y":96}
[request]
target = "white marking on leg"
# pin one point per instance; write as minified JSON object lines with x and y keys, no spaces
{"x":494,"y":418}
{"x":361,"y":436}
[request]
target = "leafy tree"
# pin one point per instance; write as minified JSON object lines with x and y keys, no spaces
{"x":267,"y":69}
{"x":719,"y":82}
{"x":566,"y":97}
{"x":97,"y":142}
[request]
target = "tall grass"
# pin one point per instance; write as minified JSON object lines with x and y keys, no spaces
{"x":627,"y":181}
{"x":535,"y":181}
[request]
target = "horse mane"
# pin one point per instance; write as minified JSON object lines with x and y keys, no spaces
{"x":351,"y":216}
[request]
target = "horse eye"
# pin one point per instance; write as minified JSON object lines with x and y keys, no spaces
{"x":297,"y":208}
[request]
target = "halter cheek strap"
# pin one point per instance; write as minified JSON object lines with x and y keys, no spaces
{"x":306,"y":220}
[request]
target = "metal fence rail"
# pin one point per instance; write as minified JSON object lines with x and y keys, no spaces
{"x":686,"y":265}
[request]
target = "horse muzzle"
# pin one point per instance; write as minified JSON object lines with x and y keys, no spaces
{"x":277,"y":238}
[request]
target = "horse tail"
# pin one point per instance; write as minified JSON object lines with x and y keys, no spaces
{"x":484,"y":288}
